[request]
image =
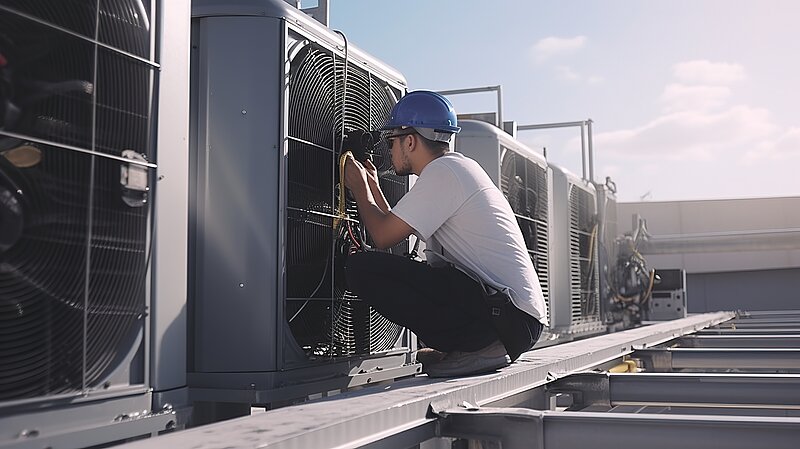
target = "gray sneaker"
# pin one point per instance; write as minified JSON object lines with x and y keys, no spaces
{"x":459,"y":363}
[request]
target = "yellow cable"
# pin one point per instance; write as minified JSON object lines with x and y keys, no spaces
{"x":650,"y":288}
{"x":627,"y":366}
{"x":341,"y":212}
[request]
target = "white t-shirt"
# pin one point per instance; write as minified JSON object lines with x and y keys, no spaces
{"x":457,"y":210}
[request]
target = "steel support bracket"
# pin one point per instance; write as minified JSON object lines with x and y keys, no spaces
{"x":586,"y":388}
{"x":512,"y":428}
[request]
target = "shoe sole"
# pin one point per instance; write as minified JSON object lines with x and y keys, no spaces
{"x":470,"y":367}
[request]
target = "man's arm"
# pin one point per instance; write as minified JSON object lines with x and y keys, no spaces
{"x":385,"y":228}
{"x":375,"y":186}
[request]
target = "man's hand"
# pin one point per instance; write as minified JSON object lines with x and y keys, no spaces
{"x":372,"y":172}
{"x":355,"y":175}
{"x":384,"y":227}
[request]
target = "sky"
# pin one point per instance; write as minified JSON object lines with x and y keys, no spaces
{"x":690,"y":99}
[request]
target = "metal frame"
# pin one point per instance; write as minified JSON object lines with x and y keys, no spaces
{"x":471,"y":90}
{"x":740,"y":341}
{"x":586,"y":136}
{"x":398,"y":414}
{"x":739,"y":359}
{"x":598,"y":390}
{"x":524,"y":428}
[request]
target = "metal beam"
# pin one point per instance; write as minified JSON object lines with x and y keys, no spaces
{"x":721,"y":358}
{"x":706,"y":390}
{"x":581,"y":430}
{"x":758,"y":240}
{"x":586,"y":133}
{"x":748,"y":331}
{"x":516,"y":428}
{"x":760,"y":324}
{"x":769,"y":313}
{"x":740,"y":341}
{"x":386,"y":416}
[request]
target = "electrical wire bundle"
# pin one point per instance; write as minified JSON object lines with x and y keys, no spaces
{"x":631,"y":280}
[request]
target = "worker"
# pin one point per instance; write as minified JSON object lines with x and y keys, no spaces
{"x":476,"y":302}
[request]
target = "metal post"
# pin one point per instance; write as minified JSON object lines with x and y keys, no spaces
{"x":583,"y":150}
{"x":499,"y":107}
{"x":591,"y":151}
{"x":586,"y":129}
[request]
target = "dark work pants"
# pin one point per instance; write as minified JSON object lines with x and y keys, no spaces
{"x":442,"y":305}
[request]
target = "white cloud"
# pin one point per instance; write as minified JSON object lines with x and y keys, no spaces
{"x":784,"y":147}
{"x":691,"y":136}
{"x":592,"y":79}
{"x":709,"y":73}
{"x":552,"y":46}
{"x":569,"y":74}
{"x":680,"y":97}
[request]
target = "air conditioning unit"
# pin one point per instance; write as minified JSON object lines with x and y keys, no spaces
{"x":574,"y":286}
{"x":76,"y":171}
{"x":526,"y":181}
{"x":607,"y":232}
{"x":272,"y":93}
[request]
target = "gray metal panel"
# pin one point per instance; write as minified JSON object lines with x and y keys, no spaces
{"x":559,"y":251}
{"x":484,"y":150}
{"x":168,"y":317}
{"x":237,"y":225}
{"x":750,"y":290}
{"x":81,"y":425}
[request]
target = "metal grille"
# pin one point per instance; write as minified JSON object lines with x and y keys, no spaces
{"x":583,"y":257}
{"x":524,"y":183}
{"x":326,"y":319}
{"x":73,"y":279}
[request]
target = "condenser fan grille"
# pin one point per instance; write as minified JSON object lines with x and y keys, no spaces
{"x":325,"y":318}
{"x":583,"y":258}
{"x":524,"y":183}
{"x":73,"y":274}
{"x":124,"y":25}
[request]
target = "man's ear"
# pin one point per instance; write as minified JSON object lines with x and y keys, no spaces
{"x":414,"y":142}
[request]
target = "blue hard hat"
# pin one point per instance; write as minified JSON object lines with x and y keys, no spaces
{"x":424,"y":109}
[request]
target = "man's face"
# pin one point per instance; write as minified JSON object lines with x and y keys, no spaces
{"x":397,"y":148}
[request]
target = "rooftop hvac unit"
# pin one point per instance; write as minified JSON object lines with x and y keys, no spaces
{"x":273,"y":318}
{"x":525,"y":180}
{"x":574,"y":285}
{"x":607,"y":251}
{"x":76,"y":165}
